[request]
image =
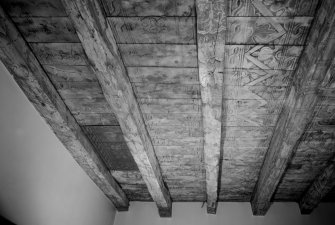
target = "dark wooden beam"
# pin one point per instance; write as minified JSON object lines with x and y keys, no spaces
{"x":102,"y":51}
{"x":299,"y":105}
{"x":319,"y":189}
{"x":34,"y":82}
{"x":211,"y":29}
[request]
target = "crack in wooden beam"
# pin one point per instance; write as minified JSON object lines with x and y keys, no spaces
{"x":299,"y":105}
{"x":34,"y":82}
{"x":103,"y":54}
{"x":211,"y":29}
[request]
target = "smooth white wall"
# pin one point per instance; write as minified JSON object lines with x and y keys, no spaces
{"x":40,"y":183}
{"x":228,"y":213}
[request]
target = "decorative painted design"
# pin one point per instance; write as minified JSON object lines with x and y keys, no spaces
{"x":250,"y":77}
{"x":268,"y":30}
{"x":272,"y":7}
{"x":175,"y":30}
{"x":262,"y":57}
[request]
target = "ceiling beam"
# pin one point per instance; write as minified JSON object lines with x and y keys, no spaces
{"x":299,"y":105}
{"x":102,"y":51}
{"x":319,"y":189}
{"x":34,"y":82}
{"x":211,"y":29}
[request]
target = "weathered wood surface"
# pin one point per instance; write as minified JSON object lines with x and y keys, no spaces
{"x":166,"y":91}
{"x":99,"y":44}
{"x":311,"y":72}
{"x":61,"y":73}
{"x":166,"y":55}
{"x":36,"y":8}
{"x":45,"y":29}
{"x":68,"y":54}
{"x":30,"y":76}
{"x":314,"y":152}
{"x":263,"y":57}
{"x":133,"y":54}
{"x":264,"y":30}
{"x":90,"y":90}
{"x":167,"y":106}
{"x":111,"y":146}
{"x":211,"y":32}
{"x":258,"y":77}
{"x":152,"y":8}
{"x":155,"y":30}
{"x":163,"y":75}
{"x":96,"y":119}
{"x":319,"y":189}
{"x":272,"y":8}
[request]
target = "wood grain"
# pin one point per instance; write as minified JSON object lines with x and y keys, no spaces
{"x":68,"y":54}
{"x":99,"y":44}
{"x":163,"y":75}
{"x":41,"y":29}
{"x":36,"y":8}
{"x":211,"y":32}
{"x":151,"y":8}
{"x":311,"y":71}
{"x":30,"y":76}
{"x":319,"y":189}
{"x":268,"y":30}
{"x":261,"y":57}
{"x":166,"y":91}
{"x":272,"y":8}
{"x":155,"y":30}
{"x":166,"y":55}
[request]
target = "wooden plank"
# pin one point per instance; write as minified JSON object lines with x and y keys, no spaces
{"x":159,"y":55}
{"x":59,"y":53}
{"x":90,"y":90}
{"x":174,"y":132}
{"x":258,"y":77}
{"x":261,"y":57}
{"x":211,"y":32}
{"x":318,"y":190}
{"x":88,"y":105}
{"x":252,"y":107}
{"x":311,"y":71}
{"x":173,"y":120}
{"x":268,"y":30}
{"x":170,"y":106}
{"x":36,"y":8}
{"x":153,"y":30}
{"x":59,"y":73}
{"x":41,"y":29}
{"x":263,"y":93}
{"x":116,"y":155}
{"x":154,"y":8}
{"x":99,"y":44}
{"x":273,"y":8}
{"x":95,"y":119}
{"x":163,"y":75}
{"x":103,"y":134}
{"x":30,"y":76}
{"x":166,"y":91}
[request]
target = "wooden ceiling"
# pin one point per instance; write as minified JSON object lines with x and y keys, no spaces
{"x":184,"y":100}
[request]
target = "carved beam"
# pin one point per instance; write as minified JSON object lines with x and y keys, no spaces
{"x":211,"y":29}
{"x":299,"y":105}
{"x":102,"y":51}
{"x":34,"y":82}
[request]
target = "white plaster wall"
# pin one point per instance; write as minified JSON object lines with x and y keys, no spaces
{"x":145,"y":213}
{"x":40,"y":183}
